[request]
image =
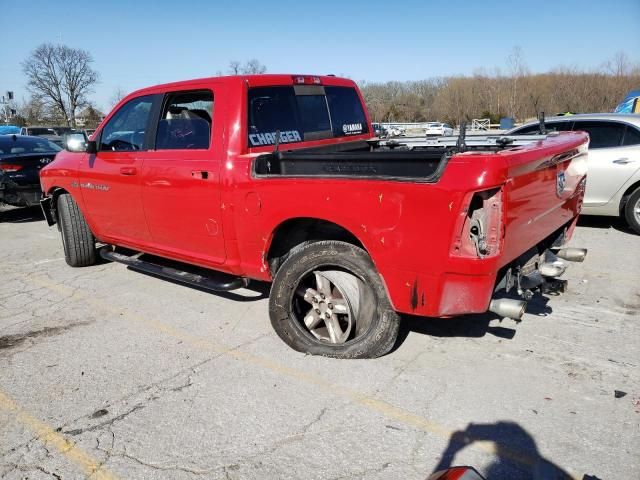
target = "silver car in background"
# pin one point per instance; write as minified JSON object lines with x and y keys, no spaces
{"x":613,"y":179}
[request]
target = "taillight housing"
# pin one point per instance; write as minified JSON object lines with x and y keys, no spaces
{"x":8,"y":167}
{"x":480,"y":226}
{"x":306,"y":80}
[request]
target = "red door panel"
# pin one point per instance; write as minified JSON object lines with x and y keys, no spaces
{"x":110,"y":185}
{"x":181,"y":178}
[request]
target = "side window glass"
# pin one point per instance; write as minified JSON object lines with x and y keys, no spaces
{"x":185,"y":121}
{"x":602,"y":134}
{"x":125,"y":131}
{"x":631,"y":136}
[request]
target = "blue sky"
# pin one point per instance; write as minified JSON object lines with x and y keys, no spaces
{"x":137,"y":43}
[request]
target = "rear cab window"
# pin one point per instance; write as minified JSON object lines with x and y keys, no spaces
{"x":299,"y":113}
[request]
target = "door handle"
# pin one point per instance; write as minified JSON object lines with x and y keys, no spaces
{"x":622,"y":161}
{"x":203,"y":174}
{"x":128,"y":170}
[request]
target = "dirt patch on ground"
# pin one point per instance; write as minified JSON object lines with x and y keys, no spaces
{"x":11,"y":341}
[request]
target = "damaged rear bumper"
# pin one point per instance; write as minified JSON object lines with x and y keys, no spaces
{"x":483,"y":285}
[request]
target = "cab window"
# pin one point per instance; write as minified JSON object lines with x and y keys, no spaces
{"x":185,"y":121}
{"x":302,"y":113}
{"x":126,"y":130}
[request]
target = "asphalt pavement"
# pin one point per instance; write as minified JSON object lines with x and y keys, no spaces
{"x":109,"y":373}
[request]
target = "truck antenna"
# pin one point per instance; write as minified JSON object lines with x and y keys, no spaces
{"x":460,"y":144}
{"x":543,"y":128}
{"x":276,"y":143}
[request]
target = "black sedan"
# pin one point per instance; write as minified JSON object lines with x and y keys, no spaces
{"x":21,"y":158}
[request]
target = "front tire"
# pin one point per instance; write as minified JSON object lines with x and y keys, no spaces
{"x":328,"y":299}
{"x":77,"y":240}
{"x":632,"y":211}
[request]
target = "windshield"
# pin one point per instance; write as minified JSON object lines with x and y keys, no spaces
{"x":17,"y":145}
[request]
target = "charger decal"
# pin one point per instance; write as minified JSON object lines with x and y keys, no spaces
{"x":269,"y":138}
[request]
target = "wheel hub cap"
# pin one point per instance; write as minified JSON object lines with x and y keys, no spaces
{"x":333,"y":307}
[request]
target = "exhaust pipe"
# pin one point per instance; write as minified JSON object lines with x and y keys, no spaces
{"x":553,"y":269}
{"x":572,"y":254}
{"x":506,"y":307}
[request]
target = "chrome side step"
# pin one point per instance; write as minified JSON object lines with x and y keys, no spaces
{"x":217,"y":282}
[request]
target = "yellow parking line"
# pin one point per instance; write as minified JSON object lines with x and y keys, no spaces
{"x":92,"y":468}
{"x":380,"y":406}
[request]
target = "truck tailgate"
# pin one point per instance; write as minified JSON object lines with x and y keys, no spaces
{"x":543,"y":190}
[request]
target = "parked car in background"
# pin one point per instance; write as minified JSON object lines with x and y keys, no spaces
{"x":378,"y":130}
{"x":438,"y":129}
{"x":395,"y":131}
{"x":62,"y":131}
{"x":45,"y":132}
{"x":613,"y":184}
{"x":21,"y":158}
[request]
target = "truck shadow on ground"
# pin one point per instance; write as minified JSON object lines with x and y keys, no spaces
{"x":21,"y":214}
{"x":616,"y":223}
{"x":513,"y":449}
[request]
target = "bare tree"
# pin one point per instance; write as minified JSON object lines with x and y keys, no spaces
{"x":118,"y":94}
{"x":234,"y":67}
{"x":44,"y":78}
{"x":253,"y":66}
{"x":517,"y":69}
{"x":78,"y":77}
{"x":33,"y":110}
{"x":60,"y":77}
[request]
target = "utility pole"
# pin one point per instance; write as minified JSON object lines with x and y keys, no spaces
{"x":7,"y":112}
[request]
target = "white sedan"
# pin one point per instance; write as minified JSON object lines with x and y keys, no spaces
{"x":439,"y":129}
{"x":613,"y":178}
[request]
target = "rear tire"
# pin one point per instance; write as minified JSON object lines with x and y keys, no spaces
{"x":77,"y":240}
{"x":328,"y":299}
{"x":632,"y":211}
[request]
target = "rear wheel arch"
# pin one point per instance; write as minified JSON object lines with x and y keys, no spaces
{"x":630,"y":207}
{"x":299,"y":231}
{"x":625,"y":196}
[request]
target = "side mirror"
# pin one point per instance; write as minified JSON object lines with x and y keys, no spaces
{"x":75,"y":142}
{"x":92,"y":147}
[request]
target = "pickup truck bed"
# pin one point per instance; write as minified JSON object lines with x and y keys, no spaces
{"x":351,"y":233}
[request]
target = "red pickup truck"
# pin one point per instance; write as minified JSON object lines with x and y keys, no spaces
{"x":278,"y":178}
